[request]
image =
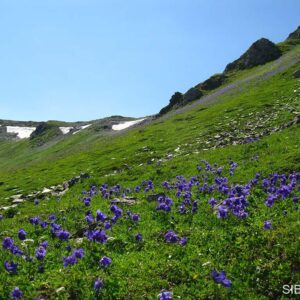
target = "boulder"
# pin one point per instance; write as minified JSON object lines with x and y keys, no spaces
{"x":8,"y":207}
{"x":46,"y":191}
{"x":14,"y":197}
{"x":84,"y":175}
{"x":296,"y":74}
{"x":17,"y":201}
{"x":124,"y":201}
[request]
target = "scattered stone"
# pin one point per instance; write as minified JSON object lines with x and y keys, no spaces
{"x":79,"y":241}
{"x":124,"y":201}
{"x":17,"y":201}
{"x":59,"y":290}
{"x":14,"y":197}
{"x":46,"y":191}
{"x":296,"y":74}
{"x":8,"y":207}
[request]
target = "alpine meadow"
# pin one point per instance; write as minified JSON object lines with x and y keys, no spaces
{"x":199,"y":201}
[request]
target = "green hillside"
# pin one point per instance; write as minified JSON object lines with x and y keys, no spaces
{"x":243,"y":219}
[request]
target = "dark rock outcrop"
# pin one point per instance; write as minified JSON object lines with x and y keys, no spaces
{"x":192,"y":95}
{"x":295,"y":35}
{"x":212,"y":83}
{"x":41,"y":129}
{"x":259,"y":53}
{"x":44,"y":133}
{"x":176,"y":100}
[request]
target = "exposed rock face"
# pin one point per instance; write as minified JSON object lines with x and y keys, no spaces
{"x":212,"y":83}
{"x":176,"y":100}
{"x":295,"y":35}
{"x":179,"y":99}
{"x":259,"y":53}
{"x":43,"y":128}
{"x":191,"y":95}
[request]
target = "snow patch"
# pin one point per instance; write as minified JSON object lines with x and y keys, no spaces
{"x":65,"y":130}
{"x":22,"y":132}
{"x":82,"y":127}
{"x":127,"y":124}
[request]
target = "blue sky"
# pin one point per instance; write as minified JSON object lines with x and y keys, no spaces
{"x":82,"y":59}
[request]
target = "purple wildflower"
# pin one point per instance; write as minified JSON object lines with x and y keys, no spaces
{"x":44,"y":244}
{"x":22,"y":234}
{"x":16,"y":250}
{"x":52,"y":217}
{"x":98,"y":284}
{"x":171,"y":236}
{"x":100,"y":216}
{"x":63,"y":234}
{"x":222,"y":212}
{"x":40,"y":253}
{"x":10,"y":266}
{"x":107,"y":225}
{"x":135,"y":217}
{"x":79,"y":253}
{"x":70,"y":260}
{"x":164,"y":295}
{"x":138,"y":237}
{"x":34,"y":220}
{"x":7,"y":243}
{"x":16,"y":294}
{"x":267,"y":225}
{"x":220,"y":277}
{"x":183,"y":241}
{"x":105,"y":261}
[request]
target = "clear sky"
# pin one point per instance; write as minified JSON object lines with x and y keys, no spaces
{"x":83,"y":59}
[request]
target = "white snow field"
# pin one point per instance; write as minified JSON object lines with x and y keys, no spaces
{"x":65,"y":130}
{"x":127,"y":124}
{"x":22,"y":132}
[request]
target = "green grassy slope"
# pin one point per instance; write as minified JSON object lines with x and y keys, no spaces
{"x":244,"y":125}
{"x":92,"y":152}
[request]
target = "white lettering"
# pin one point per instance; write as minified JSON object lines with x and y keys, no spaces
{"x":287,"y":289}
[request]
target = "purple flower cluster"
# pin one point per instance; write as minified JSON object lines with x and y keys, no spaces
{"x":172,"y":237}
{"x":164,"y":295}
{"x":220,"y":277}
{"x":164,"y":203}
{"x":105,"y":261}
{"x":8,"y":244}
{"x":40,"y":253}
{"x":22,"y":234}
{"x":10,"y":266}
{"x":267,"y":225}
{"x":73,"y":258}
{"x":98,"y":284}
{"x":280,"y":186}
{"x":16,"y":294}
{"x":98,"y":236}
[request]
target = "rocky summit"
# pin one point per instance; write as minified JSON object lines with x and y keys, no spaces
{"x":259,"y":53}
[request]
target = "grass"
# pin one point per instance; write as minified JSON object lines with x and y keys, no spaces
{"x":258,"y":262}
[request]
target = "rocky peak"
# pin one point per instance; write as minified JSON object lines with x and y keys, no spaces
{"x":259,"y":53}
{"x":295,"y":35}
